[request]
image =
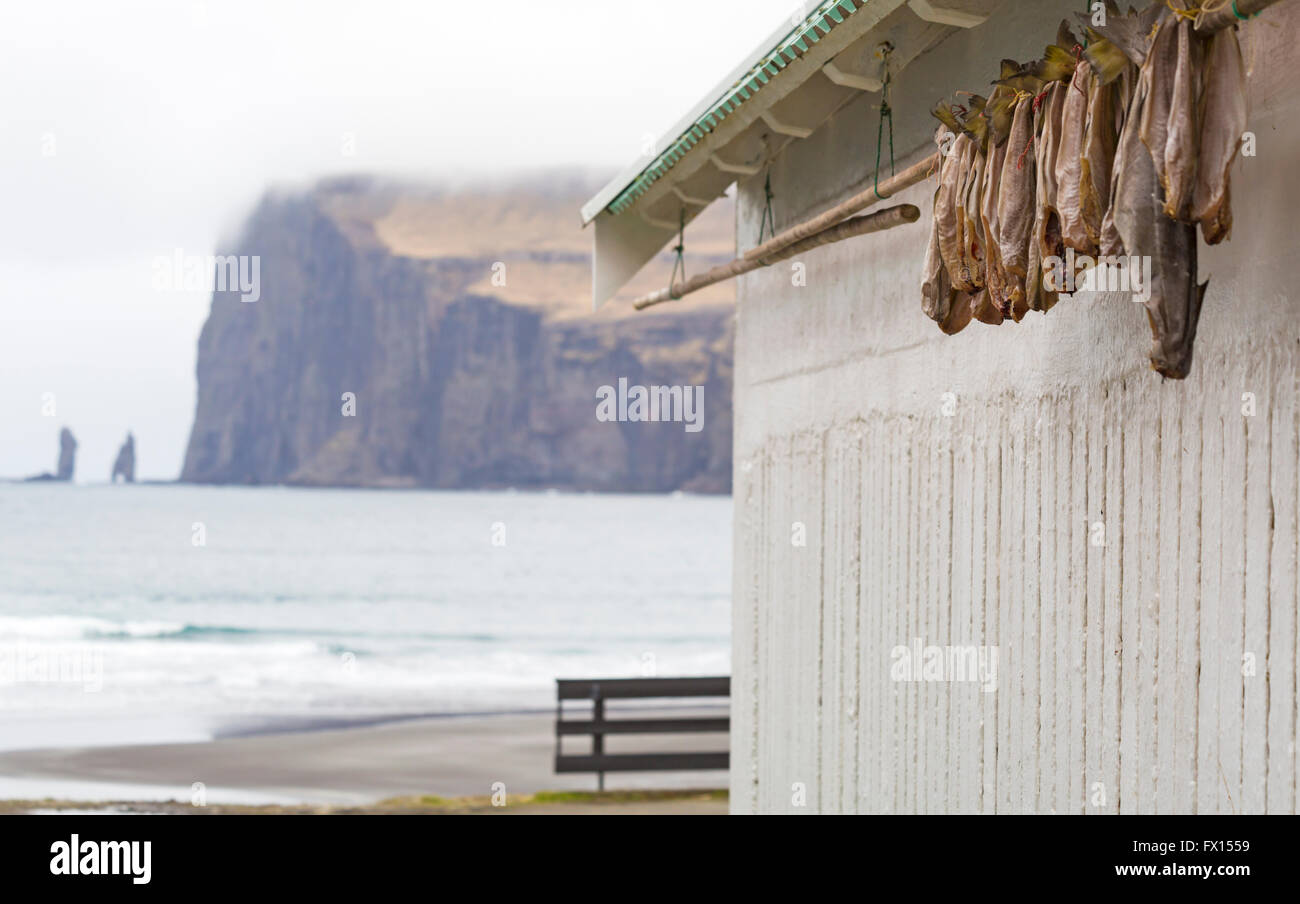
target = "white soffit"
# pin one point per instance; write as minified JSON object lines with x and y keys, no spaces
{"x":639,"y":212}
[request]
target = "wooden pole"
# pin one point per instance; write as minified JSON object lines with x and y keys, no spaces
{"x":1217,"y":18}
{"x":859,"y":202}
{"x":874,"y":222}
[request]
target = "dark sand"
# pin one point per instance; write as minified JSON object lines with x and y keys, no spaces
{"x":459,"y":756}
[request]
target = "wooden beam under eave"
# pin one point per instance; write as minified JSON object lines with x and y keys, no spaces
{"x":744,"y":169}
{"x":945,"y":15}
{"x":657,"y":222}
{"x":690,"y":199}
{"x":784,"y":128}
{"x":851,"y":79}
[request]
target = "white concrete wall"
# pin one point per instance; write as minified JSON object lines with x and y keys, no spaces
{"x":1121,"y":685}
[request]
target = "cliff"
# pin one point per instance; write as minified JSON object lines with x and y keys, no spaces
{"x":405,"y":336}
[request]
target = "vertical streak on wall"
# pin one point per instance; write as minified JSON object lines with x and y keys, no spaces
{"x":1116,"y":560}
{"x":1208,"y":782}
{"x":1045,"y":642}
{"x":961,"y":701}
{"x":1150,"y":714}
{"x":1258,"y":543}
{"x":1232,"y":614}
{"x":1189,"y":614}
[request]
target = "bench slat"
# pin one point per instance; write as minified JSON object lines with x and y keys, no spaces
{"x":641,"y":762}
{"x":624,"y":688}
{"x":640,"y":726}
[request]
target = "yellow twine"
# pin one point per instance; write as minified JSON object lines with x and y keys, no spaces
{"x":1190,"y":13}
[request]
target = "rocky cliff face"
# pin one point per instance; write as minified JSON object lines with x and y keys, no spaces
{"x":410,"y":337}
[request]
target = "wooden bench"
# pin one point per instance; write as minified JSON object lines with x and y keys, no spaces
{"x":597,"y":691}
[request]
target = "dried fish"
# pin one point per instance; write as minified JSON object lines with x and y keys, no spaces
{"x":972,"y":227}
{"x":959,"y":313}
{"x":945,"y":208}
{"x":1183,"y":132}
{"x":1131,"y":34}
{"x":935,"y":285}
{"x":1132,"y":140}
{"x":1016,"y":208}
{"x":1158,"y":70}
{"x":960,"y":265}
{"x":1174,"y":307}
{"x":1047,"y":221}
{"x":1223,"y":122}
{"x":995,"y":279}
{"x":999,"y":108}
{"x":984,"y":310}
{"x":1173,"y":299}
{"x":1127,"y":33}
{"x":1095,"y":163}
{"x":1070,"y":160}
{"x":940,"y":301}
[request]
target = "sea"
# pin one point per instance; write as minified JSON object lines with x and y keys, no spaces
{"x":172,"y":613}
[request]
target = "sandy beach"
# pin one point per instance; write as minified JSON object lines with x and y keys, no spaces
{"x":442,"y":757}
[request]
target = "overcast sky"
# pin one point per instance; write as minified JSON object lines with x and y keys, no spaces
{"x":131,"y":128}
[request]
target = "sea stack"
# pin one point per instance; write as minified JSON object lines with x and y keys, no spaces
{"x":67,"y":459}
{"x":125,"y":463}
{"x":67,"y":455}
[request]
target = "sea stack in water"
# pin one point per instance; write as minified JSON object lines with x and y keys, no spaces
{"x":67,"y":459}
{"x":125,"y":463}
{"x":67,"y":455}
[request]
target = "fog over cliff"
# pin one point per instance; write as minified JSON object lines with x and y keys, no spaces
{"x":407,"y":336}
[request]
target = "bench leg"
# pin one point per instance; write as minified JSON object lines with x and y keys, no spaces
{"x":598,"y":739}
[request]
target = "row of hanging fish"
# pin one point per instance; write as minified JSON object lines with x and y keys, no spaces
{"x":1113,"y":151}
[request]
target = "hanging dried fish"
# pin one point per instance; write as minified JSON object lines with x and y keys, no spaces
{"x":995,"y":278}
{"x":1047,"y":220}
{"x":998,"y":111}
{"x":1223,"y":123}
{"x":952,"y":176}
{"x":1173,"y":299}
{"x":1132,"y":140}
{"x":972,"y":228}
{"x":1182,"y":142}
{"x":935,"y":285}
{"x":1099,"y":141}
{"x":1016,"y":208}
{"x":1070,"y":157}
{"x":1159,"y":69}
{"x":960,"y":311}
{"x":984,"y":310}
{"x":940,"y":301}
{"x":1174,"y":307}
{"x":1132,"y":35}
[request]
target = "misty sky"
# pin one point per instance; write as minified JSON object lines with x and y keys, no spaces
{"x":131,"y":129}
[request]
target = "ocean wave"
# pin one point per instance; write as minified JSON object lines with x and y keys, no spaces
{"x":78,"y":627}
{"x":75,"y":627}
